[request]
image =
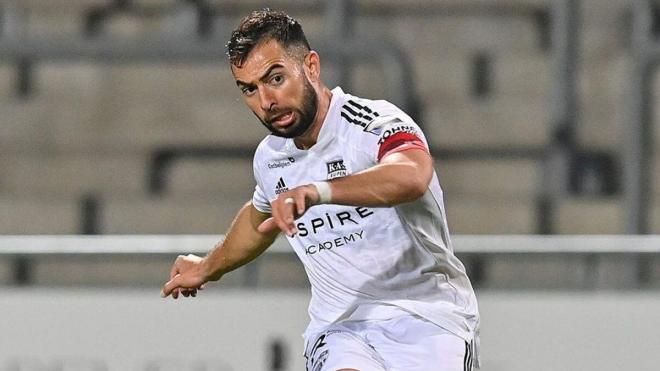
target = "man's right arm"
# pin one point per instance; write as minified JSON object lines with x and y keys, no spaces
{"x":241,"y":245}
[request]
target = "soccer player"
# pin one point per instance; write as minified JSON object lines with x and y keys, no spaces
{"x":351,"y":184}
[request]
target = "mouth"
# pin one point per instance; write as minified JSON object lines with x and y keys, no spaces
{"x":282,"y":120}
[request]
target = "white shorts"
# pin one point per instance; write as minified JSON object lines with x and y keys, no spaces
{"x":407,"y":343}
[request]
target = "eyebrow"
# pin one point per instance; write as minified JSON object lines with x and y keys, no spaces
{"x":266,"y":74}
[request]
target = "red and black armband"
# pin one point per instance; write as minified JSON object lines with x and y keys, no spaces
{"x":398,"y":142}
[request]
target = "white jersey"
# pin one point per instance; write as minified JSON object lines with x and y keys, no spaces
{"x":368,"y":263}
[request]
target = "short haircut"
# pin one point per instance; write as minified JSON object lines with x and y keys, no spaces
{"x":261,"y":26}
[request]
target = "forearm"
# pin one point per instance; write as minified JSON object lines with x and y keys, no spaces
{"x":242,"y":244}
{"x":398,"y":178}
{"x":387,"y":184}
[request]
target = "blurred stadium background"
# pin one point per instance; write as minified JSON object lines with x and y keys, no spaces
{"x":121,"y":118}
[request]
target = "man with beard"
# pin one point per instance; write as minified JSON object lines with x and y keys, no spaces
{"x":351,"y":183}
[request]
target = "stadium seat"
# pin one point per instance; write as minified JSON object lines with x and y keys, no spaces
{"x":38,"y":215}
{"x":52,"y":18}
{"x":93,"y":271}
{"x":603,"y":105}
{"x":654,"y":268}
{"x":589,"y":216}
{"x":523,"y":75}
{"x":497,"y":123}
{"x":602,"y":27}
{"x":73,"y":175}
{"x":7,"y":82}
{"x":269,"y":271}
{"x":22,"y":128}
{"x":171,"y":215}
{"x":599,"y":216}
{"x":486,"y":215}
{"x":280,"y":271}
{"x":654,"y":217}
{"x":497,"y":178}
{"x":168,"y":83}
{"x":550,"y":272}
{"x":452,"y":33}
{"x":6,"y":271}
{"x":211,"y":178}
{"x":442,"y":76}
{"x":76,"y":83}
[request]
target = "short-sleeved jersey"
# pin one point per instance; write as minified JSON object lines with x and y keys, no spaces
{"x":368,"y":263}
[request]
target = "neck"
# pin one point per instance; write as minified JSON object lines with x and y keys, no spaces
{"x":309,"y":138}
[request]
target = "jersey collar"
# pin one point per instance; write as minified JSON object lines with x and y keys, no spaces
{"x":331,"y":119}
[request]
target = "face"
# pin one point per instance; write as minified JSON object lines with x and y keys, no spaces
{"x":275,"y":87}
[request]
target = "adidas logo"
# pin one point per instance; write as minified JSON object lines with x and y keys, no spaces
{"x":281,"y":186}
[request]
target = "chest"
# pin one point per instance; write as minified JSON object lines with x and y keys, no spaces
{"x":286,"y":172}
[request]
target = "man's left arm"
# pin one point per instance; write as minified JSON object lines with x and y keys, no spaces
{"x":399,"y":177}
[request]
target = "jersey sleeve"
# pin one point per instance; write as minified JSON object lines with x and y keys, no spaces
{"x":391,"y":134}
{"x":259,"y":198}
{"x":260,"y":201}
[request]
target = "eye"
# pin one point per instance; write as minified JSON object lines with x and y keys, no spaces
{"x":248,"y":90}
{"x":277,"y":79}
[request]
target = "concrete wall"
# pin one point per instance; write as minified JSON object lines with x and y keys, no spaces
{"x":222,"y":330}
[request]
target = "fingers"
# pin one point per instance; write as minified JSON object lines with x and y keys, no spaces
{"x":300,"y":202}
{"x":175,"y":267}
{"x":287,"y":212}
{"x":175,"y":288}
{"x":283,"y":215}
{"x":189,"y":292}
{"x":174,"y":271}
{"x":185,"y":278}
{"x":286,"y":209}
{"x":171,"y":287}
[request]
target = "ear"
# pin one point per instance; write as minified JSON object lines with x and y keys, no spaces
{"x":313,"y":66}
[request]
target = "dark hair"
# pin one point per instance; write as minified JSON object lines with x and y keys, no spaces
{"x":264,"y":25}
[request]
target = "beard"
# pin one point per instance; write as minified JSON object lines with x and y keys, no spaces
{"x":306,"y":114}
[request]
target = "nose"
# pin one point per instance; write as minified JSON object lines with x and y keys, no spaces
{"x":266,"y":99}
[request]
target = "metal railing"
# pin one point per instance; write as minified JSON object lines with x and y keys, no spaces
{"x":638,"y":144}
{"x":28,"y":249}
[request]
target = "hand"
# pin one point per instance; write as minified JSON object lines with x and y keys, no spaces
{"x":186,"y":277}
{"x":289,"y":206}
